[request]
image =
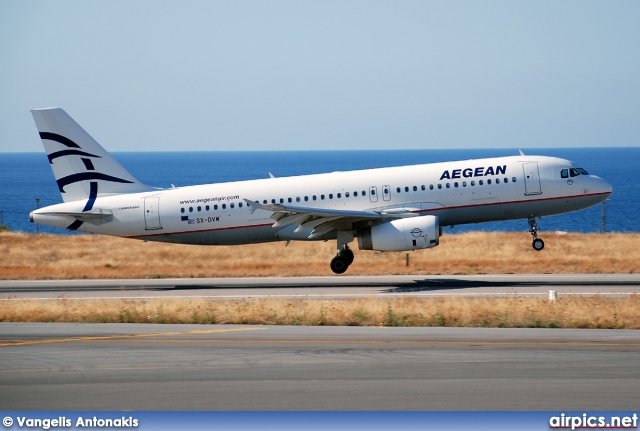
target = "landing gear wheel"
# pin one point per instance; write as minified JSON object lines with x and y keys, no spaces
{"x":339,"y":264}
{"x":347,"y":255}
{"x":538,"y":244}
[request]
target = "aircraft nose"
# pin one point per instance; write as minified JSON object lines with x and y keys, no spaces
{"x":602,"y":186}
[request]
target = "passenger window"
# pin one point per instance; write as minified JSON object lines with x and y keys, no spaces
{"x":415,"y":188}
{"x":297,"y":198}
{"x":455,"y":184}
{"x":339,"y":195}
{"x":289,"y":200}
{"x":448,"y":185}
{"x":224,"y":206}
{"x":330,"y":195}
{"x":513,"y":179}
{"x":506,"y":180}
{"x":321,"y":197}
{"x":355,"y":194}
{"x":497,"y":180}
{"x":240,"y":205}
{"x":406,"y":189}
{"x":231,"y":205}
{"x":190,"y":209}
{"x":473,"y":183}
{"x":464,"y":184}
{"x":564,"y":173}
{"x":439,"y":186}
{"x":207,"y":208}
{"x":430,"y":186}
{"x":480,"y":182}
{"x":488,"y":181}
{"x":424,"y":187}
{"x":346,"y":195}
{"x":398,"y":190}
{"x":364,"y":193}
{"x":306,"y":198}
{"x":215,"y":207}
{"x":182,"y":210}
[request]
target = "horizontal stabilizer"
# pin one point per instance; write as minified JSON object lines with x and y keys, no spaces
{"x":95,"y":217}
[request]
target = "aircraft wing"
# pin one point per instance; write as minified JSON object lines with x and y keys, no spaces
{"x":323,"y":220}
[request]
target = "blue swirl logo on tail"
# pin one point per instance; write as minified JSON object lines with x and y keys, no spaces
{"x":76,"y":150}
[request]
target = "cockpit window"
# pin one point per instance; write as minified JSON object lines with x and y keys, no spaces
{"x":573,"y":172}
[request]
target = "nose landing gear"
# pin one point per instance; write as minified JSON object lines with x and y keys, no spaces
{"x":537,"y":243}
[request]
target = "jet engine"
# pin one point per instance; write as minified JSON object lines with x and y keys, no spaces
{"x":403,"y":234}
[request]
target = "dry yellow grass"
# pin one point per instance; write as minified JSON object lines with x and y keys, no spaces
{"x":572,"y":312}
{"x":26,"y":256}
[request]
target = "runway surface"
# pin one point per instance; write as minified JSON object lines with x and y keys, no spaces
{"x":219,"y":367}
{"x":46,"y":366}
{"x":328,"y":287}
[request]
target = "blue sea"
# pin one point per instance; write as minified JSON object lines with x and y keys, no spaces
{"x":25,"y":177}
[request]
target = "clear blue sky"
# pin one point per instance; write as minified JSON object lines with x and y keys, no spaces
{"x":281,"y":75}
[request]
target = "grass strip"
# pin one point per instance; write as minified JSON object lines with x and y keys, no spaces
{"x":510,"y":312}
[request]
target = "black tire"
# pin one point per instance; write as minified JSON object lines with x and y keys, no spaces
{"x":339,"y":265}
{"x":537,"y":244}
{"x":348,"y":256}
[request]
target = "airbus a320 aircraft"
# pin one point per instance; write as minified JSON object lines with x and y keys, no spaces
{"x":388,"y":209}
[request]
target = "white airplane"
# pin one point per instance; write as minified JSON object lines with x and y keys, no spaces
{"x":388,"y":209}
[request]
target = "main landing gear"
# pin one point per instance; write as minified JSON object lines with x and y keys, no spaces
{"x":537,"y":243}
{"x":343,"y":259}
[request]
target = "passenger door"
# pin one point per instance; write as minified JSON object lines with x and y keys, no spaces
{"x":152,"y":213}
{"x":531,"y":179}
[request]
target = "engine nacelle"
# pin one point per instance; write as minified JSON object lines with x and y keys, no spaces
{"x":403,"y":234}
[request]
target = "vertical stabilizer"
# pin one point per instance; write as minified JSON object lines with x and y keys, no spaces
{"x":82,"y":168}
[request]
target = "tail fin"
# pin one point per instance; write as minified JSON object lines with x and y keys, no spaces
{"x":82,"y":168}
